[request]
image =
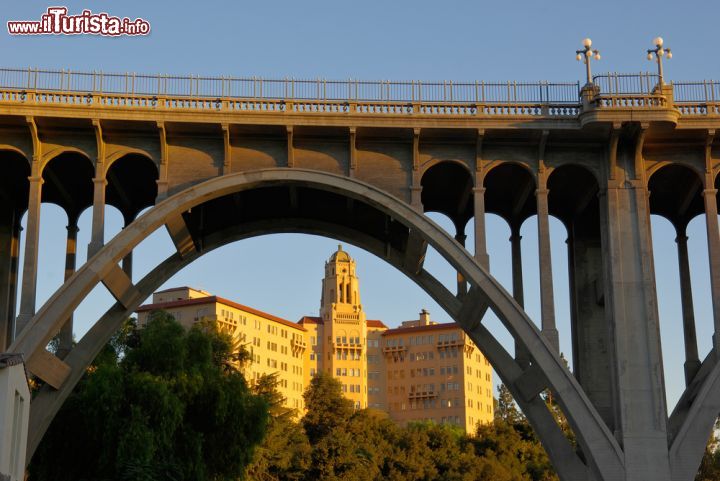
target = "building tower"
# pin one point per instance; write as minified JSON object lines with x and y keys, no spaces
{"x":345,"y":327}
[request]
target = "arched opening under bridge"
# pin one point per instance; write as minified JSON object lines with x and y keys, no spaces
{"x":242,"y":205}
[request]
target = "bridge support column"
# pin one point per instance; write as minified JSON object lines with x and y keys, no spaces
{"x":30,"y":262}
{"x":692,"y":360}
{"x":713,"y":237}
{"x":9,"y":250}
{"x":97,"y":236}
{"x":521,"y":355}
{"x":547,"y":299}
{"x":66,"y":332}
{"x":481,"y":254}
{"x":592,"y":353}
{"x":632,"y":313}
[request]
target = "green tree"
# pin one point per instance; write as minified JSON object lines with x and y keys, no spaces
{"x":710,"y":464}
{"x":158,"y":404}
{"x":326,"y":406}
{"x":506,"y":409}
{"x":510,"y":454}
{"x":284,"y":454}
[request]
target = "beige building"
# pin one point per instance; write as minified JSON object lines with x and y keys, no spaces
{"x":435,"y":372}
{"x":421,"y":370}
{"x":275,"y":345}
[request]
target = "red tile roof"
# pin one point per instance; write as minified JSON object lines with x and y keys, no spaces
{"x":431,"y":327}
{"x":310,"y":320}
{"x":212,"y":300}
{"x":376,"y":323}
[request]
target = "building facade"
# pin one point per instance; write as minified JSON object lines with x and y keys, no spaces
{"x":435,"y":372}
{"x":275,"y":345}
{"x":421,"y":370}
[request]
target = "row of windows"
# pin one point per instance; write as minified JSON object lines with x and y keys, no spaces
{"x":422,"y":371}
{"x":354,"y":388}
{"x":422,"y":388}
{"x":421,"y":340}
{"x":347,"y":372}
{"x":421,"y":356}
{"x":477,"y":404}
{"x":450,"y":420}
{"x":344,"y":355}
{"x":373,"y":359}
{"x":449,"y":353}
{"x":347,"y":340}
{"x":373,"y":342}
{"x":453,"y":336}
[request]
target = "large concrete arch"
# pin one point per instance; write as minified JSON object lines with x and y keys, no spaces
{"x":602,"y":458}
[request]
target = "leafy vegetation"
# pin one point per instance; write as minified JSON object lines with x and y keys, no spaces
{"x":335,"y":443}
{"x":159,"y":403}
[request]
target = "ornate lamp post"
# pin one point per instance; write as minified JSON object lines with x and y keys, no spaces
{"x":586,"y":54}
{"x":658,"y":53}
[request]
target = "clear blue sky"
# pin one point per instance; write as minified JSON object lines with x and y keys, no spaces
{"x":454,"y":40}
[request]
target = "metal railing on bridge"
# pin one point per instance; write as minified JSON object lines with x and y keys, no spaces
{"x":479,"y":98}
{"x":300,"y":89}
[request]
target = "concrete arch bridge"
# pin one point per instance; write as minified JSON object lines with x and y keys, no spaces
{"x":222,"y":159}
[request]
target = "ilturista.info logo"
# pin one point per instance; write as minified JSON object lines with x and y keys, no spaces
{"x":56,"y":21}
